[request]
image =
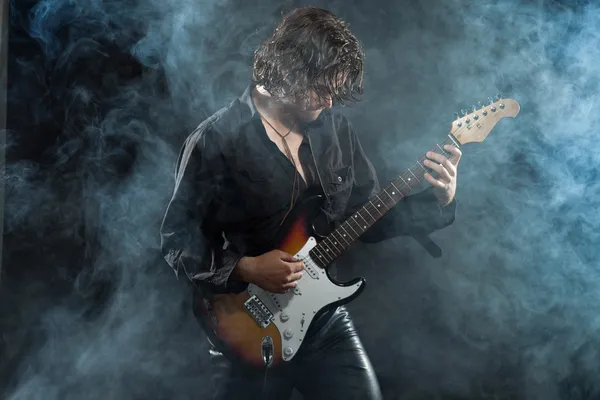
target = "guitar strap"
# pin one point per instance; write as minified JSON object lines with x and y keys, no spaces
{"x":433,"y":249}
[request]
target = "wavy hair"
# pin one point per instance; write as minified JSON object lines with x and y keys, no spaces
{"x":310,"y":50}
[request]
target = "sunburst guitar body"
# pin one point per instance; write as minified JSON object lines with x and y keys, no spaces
{"x":262,"y":328}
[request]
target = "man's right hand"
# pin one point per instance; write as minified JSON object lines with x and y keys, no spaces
{"x":275,"y":271}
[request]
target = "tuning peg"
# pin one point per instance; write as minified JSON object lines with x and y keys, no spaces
{"x":498,"y":96}
{"x":456,"y":115}
{"x":479,"y":106}
{"x":463,"y":111}
{"x":490,"y":100}
{"x":473,"y":108}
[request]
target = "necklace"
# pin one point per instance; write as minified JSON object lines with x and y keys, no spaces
{"x":288,"y":152}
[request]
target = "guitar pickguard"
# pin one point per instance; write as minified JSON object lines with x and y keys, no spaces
{"x":293,"y":312}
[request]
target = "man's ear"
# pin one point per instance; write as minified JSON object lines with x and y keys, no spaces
{"x":261,"y":89}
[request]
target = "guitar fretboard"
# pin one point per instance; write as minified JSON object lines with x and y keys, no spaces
{"x":334,"y":244}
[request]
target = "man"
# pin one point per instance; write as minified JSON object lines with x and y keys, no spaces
{"x":240,"y":173}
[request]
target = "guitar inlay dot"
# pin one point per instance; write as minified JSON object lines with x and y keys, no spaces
{"x":364,"y":226}
{"x":393,"y":193}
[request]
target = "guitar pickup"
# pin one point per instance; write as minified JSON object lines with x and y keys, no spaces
{"x":310,"y":270}
{"x":257,"y":309}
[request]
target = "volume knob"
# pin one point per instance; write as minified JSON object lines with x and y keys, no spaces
{"x":288,"y":351}
{"x":284,"y":317}
{"x":288,"y":334}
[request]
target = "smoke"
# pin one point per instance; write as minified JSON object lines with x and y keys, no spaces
{"x":510,"y":310}
{"x":104,"y":96}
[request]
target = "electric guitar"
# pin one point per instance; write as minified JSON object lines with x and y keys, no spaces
{"x":264,"y":329}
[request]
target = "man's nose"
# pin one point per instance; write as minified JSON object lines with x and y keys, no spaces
{"x":327,"y":102}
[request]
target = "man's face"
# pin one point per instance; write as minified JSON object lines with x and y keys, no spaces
{"x":309,"y":110}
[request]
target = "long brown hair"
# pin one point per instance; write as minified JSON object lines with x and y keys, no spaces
{"x":311,"y":50}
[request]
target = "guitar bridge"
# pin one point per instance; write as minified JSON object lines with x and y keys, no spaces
{"x":257,"y":309}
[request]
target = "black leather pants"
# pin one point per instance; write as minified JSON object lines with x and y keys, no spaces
{"x":331,"y":364}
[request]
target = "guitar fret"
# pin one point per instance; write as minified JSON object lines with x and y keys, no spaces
{"x":317,"y":248}
{"x":342,"y":226}
{"x":393,"y":201}
{"x":414,"y":175}
{"x":348,"y":222}
{"x":328,"y":248}
{"x":360,"y":226}
{"x":382,"y":202}
{"x":443,"y":151}
{"x":397,"y":190}
{"x":335,"y":247}
{"x":454,"y":141}
{"x":328,"y":257}
{"x":343,"y":236}
{"x":401,"y":197}
{"x":404,"y":182}
{"x":338,"y":242}
{"x":336,"y":231}
{"x":374,"y":219}
{"x":363,"y":218}
{"x":323,"y":254}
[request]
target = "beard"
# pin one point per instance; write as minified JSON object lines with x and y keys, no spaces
{"x":303,"y":112}
{"x":305,"y":116}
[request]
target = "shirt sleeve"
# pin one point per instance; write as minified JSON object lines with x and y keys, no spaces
{"x":416,"y":214}
{"x":190,"y":240}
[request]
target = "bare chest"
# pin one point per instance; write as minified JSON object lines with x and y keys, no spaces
{"x":293,"y":140}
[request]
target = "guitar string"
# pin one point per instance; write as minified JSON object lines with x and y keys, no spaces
{"x":447,"y":141}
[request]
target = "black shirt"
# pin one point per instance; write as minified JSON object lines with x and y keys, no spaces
{"x":233,"y":187}
{"x":304,"y":155}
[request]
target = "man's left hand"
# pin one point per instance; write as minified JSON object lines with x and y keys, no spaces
{"x":447,"y":168}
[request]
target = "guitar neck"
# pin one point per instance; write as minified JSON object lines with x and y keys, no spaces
{"x":334,"y":244}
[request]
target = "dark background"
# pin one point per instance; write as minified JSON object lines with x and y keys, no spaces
{"x":102,"y":94}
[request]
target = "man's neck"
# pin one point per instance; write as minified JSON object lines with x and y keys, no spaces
{"x":274,"y":112}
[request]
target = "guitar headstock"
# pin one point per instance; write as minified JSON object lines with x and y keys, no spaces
{"x":476,"y":126}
